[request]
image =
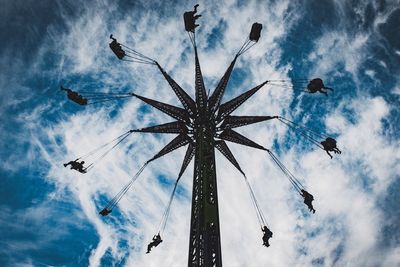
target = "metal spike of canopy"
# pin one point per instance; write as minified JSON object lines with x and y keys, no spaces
{"x":235,"y":137}
{"x":239,"y":121}
{"x":187,"y":102}
{"x":188,"y":157}
{"x":228,"y":107}
{"x":176,"y":127}
{"x":224,"y":149}
{"x":174,"y":112}
{"x":216,"y":97}
{"x":176,"y":143}
{"x":201,"y":96}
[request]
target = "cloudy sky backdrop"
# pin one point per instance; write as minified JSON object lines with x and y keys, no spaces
{"x":49,"y":214}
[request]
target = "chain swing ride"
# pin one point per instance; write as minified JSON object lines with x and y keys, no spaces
{"x":203,"y":124}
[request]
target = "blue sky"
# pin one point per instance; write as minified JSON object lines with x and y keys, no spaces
{"x":49,"y":213}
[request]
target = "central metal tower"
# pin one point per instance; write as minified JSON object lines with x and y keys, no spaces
{"x":204,"y":239}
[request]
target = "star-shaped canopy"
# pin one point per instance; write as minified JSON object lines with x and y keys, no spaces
{"x":211,"y":109}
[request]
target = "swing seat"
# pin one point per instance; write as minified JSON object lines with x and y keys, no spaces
{"x":315,"y":85}
{"x":255,"y":32}
{"x":189,"y":20}
{"x":105,"y":212}
{"x":117,"y":49}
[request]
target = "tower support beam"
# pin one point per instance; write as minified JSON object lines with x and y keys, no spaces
{"x":204,"y":239}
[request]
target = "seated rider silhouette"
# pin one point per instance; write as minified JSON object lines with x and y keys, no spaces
{"x":154,"y":243}
{"x":190,"y":19}
{"x":308,"y":198}
{"x":267,"y":235}
{"x":74,"y":96}
{"x":330,"y":145}
{"x":317,"y":85}
{"x":116,"y":48}
{"x":105,"y":212}
{"x":75,"y":165}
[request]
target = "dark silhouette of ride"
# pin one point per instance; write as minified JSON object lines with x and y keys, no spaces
{"x":317,"y":85}
{"x":154,"y":243}
{"x":117,"y":48}
{"x":255,"y":32}
{"x":267,"y":234}
{"x":74,"y":96}
{"x":105,"y":212}
{"x":190,"y":18}
{"x":76,"y":165}
{"x":308,"y":198}
{"x":329,"y":145}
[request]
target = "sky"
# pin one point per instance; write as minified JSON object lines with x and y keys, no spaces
{"x":49,"y":214}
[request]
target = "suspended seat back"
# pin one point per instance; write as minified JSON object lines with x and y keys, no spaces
{"x":189,"y":19}
{"x":117,"y":49}
{"x":254,"y":36}
{"x":315,"y":85}
{"x":255,"y":32}
{"x":329,"y":143}
{"x":77,"y":98}
{"x":105,"y":212}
